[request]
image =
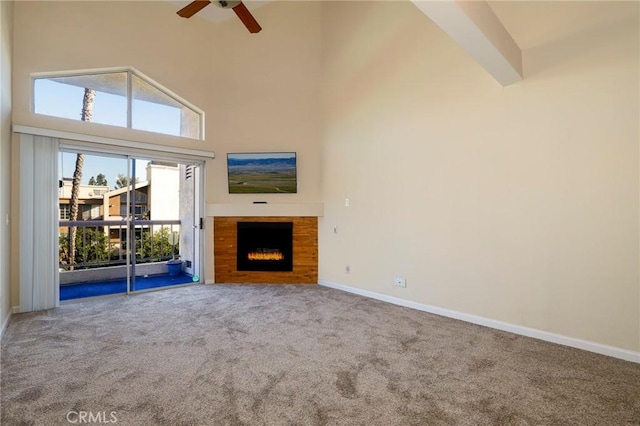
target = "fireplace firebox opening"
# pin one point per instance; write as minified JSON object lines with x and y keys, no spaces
{"x":265,"y":246}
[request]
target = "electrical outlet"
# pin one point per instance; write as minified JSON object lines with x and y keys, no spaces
{"x":347,"y":269}
{"x":400,"y":282}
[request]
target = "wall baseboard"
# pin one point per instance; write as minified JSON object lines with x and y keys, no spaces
{"x":598,"y":348}
{"x":5,"y":324}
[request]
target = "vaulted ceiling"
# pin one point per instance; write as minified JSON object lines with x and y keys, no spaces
{"x":495,"y":33}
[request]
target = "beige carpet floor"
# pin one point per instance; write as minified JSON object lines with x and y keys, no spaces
{"x":294,"y":355}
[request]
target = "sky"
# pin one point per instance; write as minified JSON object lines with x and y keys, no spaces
{"x":64,"y":100}
{"x":94,"y":165}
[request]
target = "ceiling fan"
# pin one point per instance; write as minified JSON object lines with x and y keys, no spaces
{"x":238,"y":7}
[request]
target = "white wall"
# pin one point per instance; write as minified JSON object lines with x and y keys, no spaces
{"x":6,"y":52}
{"x":516,"y":204}
{"x":268,"y":95}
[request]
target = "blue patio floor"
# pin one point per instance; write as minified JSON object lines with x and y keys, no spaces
{"x":103,"y":288}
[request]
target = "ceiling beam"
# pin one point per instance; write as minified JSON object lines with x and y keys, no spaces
{"x":474,"y":26}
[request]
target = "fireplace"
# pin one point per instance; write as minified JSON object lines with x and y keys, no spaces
{"x":305,"y":251}
{"x":265,"y":246}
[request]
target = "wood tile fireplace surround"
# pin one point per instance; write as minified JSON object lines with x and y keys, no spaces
{"x":305,"y":251}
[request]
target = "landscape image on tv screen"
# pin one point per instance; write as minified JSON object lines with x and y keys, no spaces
{"x":262,"y":173}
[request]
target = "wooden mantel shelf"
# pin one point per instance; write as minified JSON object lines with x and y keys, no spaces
{"x":265,"y":210}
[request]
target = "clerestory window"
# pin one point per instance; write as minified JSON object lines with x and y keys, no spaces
{"x":123,"y":98}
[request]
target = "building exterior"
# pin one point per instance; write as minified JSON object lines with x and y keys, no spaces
{"x":103,"y":203}
{"x":90,"y":200}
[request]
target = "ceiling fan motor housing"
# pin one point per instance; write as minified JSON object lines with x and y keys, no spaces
{"x":227,"y":4}
{"x":236,"y":5}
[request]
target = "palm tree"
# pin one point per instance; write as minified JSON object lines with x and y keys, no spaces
{"x":123,"y":181}
{"x":87,"y":114}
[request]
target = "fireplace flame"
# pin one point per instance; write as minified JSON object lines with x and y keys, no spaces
{"x":265,"y":254}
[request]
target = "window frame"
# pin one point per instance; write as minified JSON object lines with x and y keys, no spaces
{"x":64,"y":211}
{"x":130,"y":71}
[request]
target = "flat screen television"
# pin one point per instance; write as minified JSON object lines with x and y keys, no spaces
{"x":262,"y":173}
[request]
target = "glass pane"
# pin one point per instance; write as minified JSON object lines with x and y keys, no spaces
{"x":63,"y":97}
{"x":98,"y":265}
{"x":155,"y":111}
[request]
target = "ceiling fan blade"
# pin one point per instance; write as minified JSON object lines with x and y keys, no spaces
{"x":247,"y":18}
{"x":192,"y":8}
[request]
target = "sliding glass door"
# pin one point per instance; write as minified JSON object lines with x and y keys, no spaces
{"x":127,"y":224}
